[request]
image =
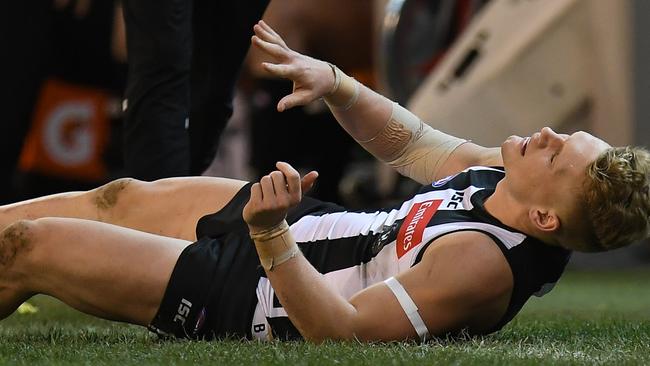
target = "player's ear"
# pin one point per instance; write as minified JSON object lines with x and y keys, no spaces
{"x":544,"y":219}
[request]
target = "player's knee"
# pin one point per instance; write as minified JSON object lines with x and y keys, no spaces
{"x":16,"y":240}
{"x":108,"y":196}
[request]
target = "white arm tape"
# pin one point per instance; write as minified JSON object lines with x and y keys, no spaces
{"x":409,"y":307}
{"x":411,"y":146}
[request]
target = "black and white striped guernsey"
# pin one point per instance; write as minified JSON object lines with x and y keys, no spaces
{"x":357,"y":249}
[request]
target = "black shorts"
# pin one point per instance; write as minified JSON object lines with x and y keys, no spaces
{"x":212,"y":290}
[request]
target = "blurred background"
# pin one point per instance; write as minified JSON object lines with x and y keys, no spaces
{"x":480,"y":69}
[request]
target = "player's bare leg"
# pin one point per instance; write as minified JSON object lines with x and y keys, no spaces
{"x":168,"y":207}
{"x":100,"y":269}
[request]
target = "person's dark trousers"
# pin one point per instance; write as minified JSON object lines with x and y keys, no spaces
{"x":308,"y":139}
{"x":25,"y":41}
{"x":184,"y":60}
{"x":157,"y":97}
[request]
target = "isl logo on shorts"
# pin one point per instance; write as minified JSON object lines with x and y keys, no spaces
{"x":410,"y":234}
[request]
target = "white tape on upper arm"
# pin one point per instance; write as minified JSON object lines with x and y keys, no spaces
{"x":409,"y":307}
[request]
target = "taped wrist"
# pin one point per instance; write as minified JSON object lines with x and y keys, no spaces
{"x":345,"y":91}
{"x":412,"y":147}
{"x":275,"y":245}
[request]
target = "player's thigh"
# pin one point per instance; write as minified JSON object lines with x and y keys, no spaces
{"x":169,"y":207}
{"x":101,"y":269}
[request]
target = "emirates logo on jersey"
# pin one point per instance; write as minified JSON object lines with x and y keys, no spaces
{"x":410,"y":234}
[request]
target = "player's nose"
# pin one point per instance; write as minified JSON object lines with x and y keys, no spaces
{"x":550,"y":137}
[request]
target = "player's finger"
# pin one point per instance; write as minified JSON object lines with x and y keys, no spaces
{"x":293,"y":181}
{"x":283,"y":71}
{"x":256,"y":193}
{"x":270,"y":30}
{"x":295,"y":99}
{"x":270,"y":48}
{"x":268,"y":193}
{"x":265,"y":35}
{"x":279,"y":183}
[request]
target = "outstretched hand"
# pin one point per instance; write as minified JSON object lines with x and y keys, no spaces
{"x":311,"y":78}
{"x":274,"y":195}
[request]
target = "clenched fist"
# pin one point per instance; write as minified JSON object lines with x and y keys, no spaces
{"x":274,"y":195}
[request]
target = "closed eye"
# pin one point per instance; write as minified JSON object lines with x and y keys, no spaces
{"x":553,"y":157}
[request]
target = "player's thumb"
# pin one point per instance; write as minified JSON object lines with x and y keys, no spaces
{"x":307,"y":181}
{"x":287,"y":102}
{"x":297,"y":98}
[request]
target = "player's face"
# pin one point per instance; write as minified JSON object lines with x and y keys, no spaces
{"x":548,"y":168}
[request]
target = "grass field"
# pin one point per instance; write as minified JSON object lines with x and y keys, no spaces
{"x":590,"y":318}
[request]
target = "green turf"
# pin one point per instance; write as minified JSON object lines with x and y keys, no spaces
{"x":590,"y":318}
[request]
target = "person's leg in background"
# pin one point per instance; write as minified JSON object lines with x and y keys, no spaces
{"x":222,"y":32}
{"x":157,"y":98}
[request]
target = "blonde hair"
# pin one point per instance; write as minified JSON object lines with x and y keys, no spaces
{"x":615,"y":201}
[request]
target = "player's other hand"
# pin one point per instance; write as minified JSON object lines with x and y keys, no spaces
{"x":311,"y":78}
{"x":274,"y":195}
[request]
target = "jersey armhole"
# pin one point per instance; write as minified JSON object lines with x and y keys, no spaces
{"x":495,"y":240}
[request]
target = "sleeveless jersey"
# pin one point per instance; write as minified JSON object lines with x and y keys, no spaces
{"x":354,"y":250}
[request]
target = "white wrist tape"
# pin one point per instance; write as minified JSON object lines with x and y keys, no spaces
{"x":345,"y":91}
{"x":275,"y":245}
{"x":411,"y":146}
{"x":409,"y":307}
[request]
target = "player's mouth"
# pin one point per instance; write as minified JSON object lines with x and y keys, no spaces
{"x":524,"y":145}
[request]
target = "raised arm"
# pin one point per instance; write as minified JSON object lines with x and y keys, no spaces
{"x":389,"y":132}
{"x":449,"y":297}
